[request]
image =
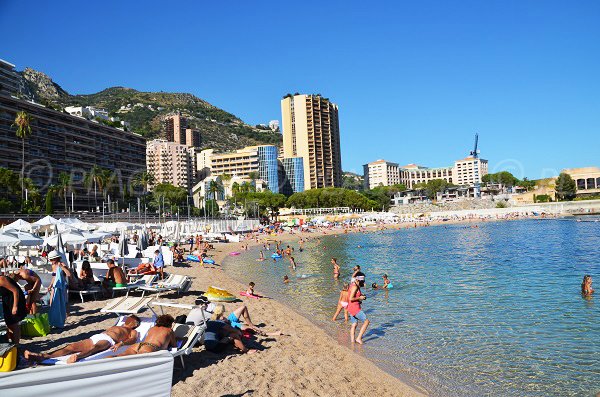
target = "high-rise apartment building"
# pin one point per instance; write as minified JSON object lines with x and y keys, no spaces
{"x":63,"y":143}
{"x":176,"y":130}
{"x":9,"y":82}
{"x":381,"y":173}
{"x":170,"y":162}
{"x":311,"y":131}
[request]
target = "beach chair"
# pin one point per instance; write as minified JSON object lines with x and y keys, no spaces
{"x":175,"y":282}
{"x":145,"y":324}
{"x":90,"y":291}
{"x":189,"y":335}
{"x":128,"y":305}
{"x":146,"y":280}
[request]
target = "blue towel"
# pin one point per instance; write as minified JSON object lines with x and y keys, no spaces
{"x":58,"y":307}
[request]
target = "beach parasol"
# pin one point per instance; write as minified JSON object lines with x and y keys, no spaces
{"x":123,"y":249}
{"x":142,"y":242}
{"x":24,"y":239}
{"x":19,"y":225}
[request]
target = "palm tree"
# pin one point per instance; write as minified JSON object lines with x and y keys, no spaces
{"x":144,"y":179}
{"x":214,"y":187}
{"x":253,"y":177}
{"x":93,"y":178}
{"x":23,"y":125}
{"x":104,"y":180}
{"x":64,"y":184}
{"x":225,"y":178}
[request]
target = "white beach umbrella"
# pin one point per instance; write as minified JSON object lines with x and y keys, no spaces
{"x":8,"y":240}
{"x":19,"y":225}
{"x":25,"y":239}
{"x":44,"y":224}
{"x":67,"y":237}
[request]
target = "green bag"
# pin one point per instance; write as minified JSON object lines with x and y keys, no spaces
{"x":36,"y":325}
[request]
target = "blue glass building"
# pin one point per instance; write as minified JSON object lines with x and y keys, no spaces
{"x":268,"y":166}
{"x":293,"y":170}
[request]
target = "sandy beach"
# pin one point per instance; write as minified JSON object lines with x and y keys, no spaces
{"x":303,"y":362}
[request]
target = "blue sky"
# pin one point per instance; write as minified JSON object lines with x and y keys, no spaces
{"x":413,"y":80}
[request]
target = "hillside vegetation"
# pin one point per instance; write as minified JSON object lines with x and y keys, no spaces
{"x":220,"y":129}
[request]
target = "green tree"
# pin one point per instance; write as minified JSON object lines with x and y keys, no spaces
{"x":93,"y":178}
{"x":23,"y":125}
{"x":48,"y":201}
{"x":64,"y":184}
{"x":433,"y":187}
{"x":565,"y":187}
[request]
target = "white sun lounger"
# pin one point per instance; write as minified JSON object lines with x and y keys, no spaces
{"x":191,"y":335}
{"x":145,"y":281}
{"x":145,"y":325}
{"x":175,"y":282}
{"x":128,"y":305}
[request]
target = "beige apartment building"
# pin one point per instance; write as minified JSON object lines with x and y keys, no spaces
{"x":381,"y":173}
{"x":239,"y":163}
{"x":469,"y":171}
{"x":465,"y":172}
{"x":311,"y":131}
{"x":176,"y":130}
{"x":170,"y":162}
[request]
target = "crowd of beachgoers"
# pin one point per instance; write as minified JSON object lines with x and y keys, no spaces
{"x":227,"y":321}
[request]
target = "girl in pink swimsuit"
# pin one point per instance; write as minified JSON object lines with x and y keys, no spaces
{"x":342,"y":304}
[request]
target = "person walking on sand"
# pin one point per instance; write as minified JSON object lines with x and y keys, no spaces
{"x":355,"y":299}
{"x":342,"y":303}
{"x":336,"y":268}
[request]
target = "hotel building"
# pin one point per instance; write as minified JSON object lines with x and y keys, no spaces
{"x":381,"y":173}
{"x":465,"y":172}
{"x":311,"y":131}
{"x":170,"y":162}
{"x":60,"y":142}
{"x":587,"y":180}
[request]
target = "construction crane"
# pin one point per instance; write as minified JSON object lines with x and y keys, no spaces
{"x":475,"y":154}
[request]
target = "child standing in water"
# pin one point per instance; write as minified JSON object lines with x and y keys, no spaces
{"x":342,"y":304}
{"x":293,"y":262}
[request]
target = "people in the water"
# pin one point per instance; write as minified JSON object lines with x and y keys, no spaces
{"x":342,"y":303}
{"x":586,"y":286}
{"x":336,"y":268}
{"x":286,"y":279}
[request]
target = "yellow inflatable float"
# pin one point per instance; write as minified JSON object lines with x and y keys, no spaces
{"x":215,"y":294}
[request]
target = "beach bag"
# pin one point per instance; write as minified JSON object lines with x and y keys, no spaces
{"x":37,"y":325}
{"x":8,"y":357}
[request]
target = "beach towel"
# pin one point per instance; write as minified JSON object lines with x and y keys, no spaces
{"x":58,"y":307}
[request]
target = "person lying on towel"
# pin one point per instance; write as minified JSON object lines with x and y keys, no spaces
{"x":160,"y":337}
{"x":113,"y":338}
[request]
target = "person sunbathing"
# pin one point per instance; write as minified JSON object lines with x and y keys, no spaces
{"x":113,"y":338}
{"x":143,"y":268}
{"x":159,"y":337}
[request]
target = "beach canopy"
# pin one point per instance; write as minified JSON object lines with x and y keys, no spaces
{"x":117,"y":226}
{"x":123,"y":249}
{"x":77,"y":223}
{"x":24,"y":239}
{"x":8,"y":240}
{"x":45,"y":221}
{"x":19,"y":225}
{"x":74,"y":237}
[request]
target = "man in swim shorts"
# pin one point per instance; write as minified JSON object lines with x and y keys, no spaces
{"x":115,"y":277}
{"x":113,"y":338}
{"x":160,"y":337}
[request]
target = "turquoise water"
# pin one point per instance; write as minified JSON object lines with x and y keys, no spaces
{"x":494,"y":310}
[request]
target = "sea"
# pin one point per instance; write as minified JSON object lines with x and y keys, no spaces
{"x":494,"y":309}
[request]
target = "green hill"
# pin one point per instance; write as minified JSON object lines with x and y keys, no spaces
{"x":220,"y":129}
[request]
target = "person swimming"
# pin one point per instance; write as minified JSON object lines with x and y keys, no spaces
{"x":586,"y":285}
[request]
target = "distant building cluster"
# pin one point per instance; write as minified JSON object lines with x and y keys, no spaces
{"x":173,"y":159}
{"x":465,"y":172}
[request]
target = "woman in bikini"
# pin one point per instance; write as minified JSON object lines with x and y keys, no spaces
{"x":159,"y":337}
{"x":336,"y":268}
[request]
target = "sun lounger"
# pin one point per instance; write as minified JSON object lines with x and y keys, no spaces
{"x":175,"y":282}
{"x":127,"y":305}
{"x":189,"y":335}
{"x":145,"y":281}
{"x":90,"y":291}
{"x":145,"y":325}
